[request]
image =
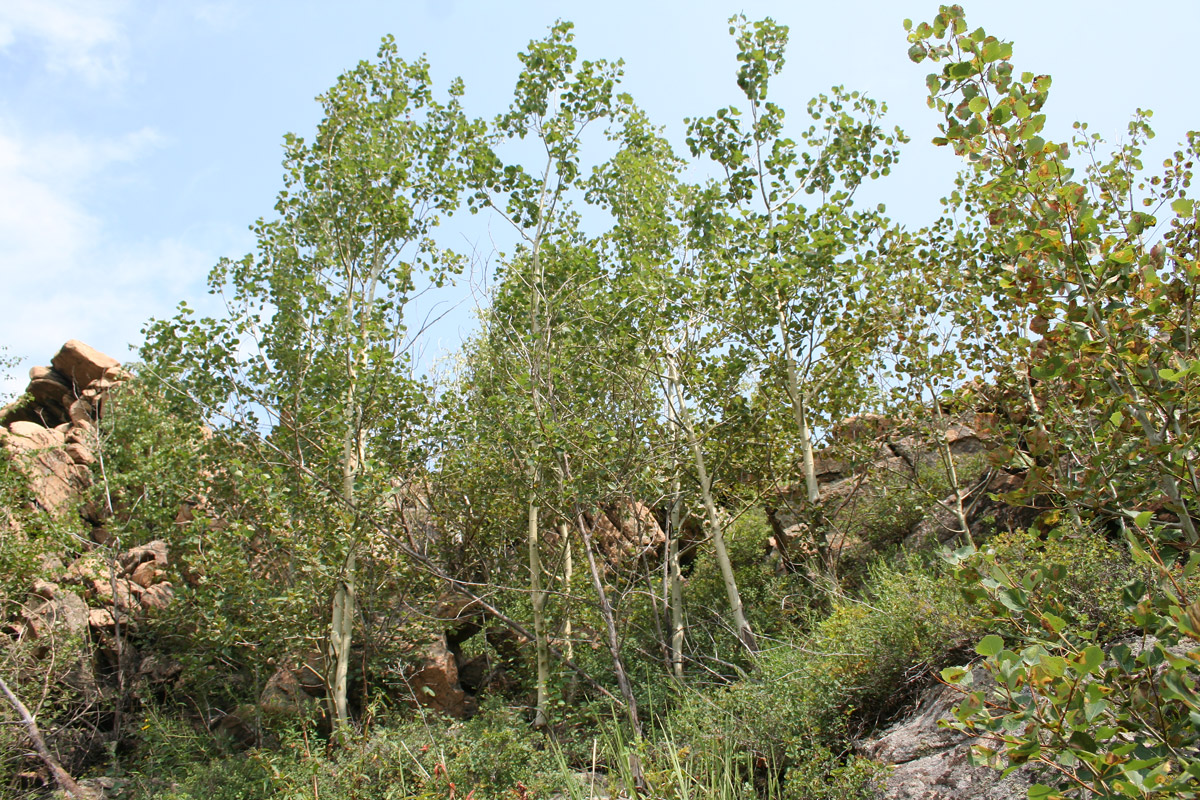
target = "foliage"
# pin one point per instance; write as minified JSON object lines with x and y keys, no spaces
{"x":819,"y":775}
{"x":846,"y":674}
{"x":490,"y":757}
{"x":151,"y":461}
{"x":775,"y":600}
{"x":691,"y":355}
{"x":1109,"y":292}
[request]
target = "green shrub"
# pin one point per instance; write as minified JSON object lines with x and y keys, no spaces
{"x":844,"y":676}
{"x":1088,"y":590}
{"x":492,"y":755}
{"x":817,"y":774}
{"x":774,"y":602}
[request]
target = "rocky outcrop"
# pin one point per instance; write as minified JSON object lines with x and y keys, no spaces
{"x":51,"y":432}
{"x":931,"y":762}
{"x":871,"y":459}
{"x":96,"y":592}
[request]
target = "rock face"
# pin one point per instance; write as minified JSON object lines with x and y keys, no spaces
{"x":83,"y":365}
{"x":932,"y":763}
{"x":871,"y":458}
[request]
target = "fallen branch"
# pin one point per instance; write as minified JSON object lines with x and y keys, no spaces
{"x":61,"y":777}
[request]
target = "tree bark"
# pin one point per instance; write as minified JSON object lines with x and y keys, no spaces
{"x":62,"y":778}
{"x":538,"y":601}
{"x":744,"y":632}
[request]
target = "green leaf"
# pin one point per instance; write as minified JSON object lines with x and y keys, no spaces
{"x":1143,"y":519}
{"x":1040,"y":791}
{"x":1091,"y":658}
{"x":1171,"y":375}
{"x":956,"y":675}
{"x":989,"y":645}
{"x":1183,"y":207}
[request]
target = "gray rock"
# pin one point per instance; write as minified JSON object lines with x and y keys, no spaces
{"x":930,"y":762}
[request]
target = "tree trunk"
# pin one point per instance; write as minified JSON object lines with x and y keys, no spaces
{"x":800,"y":415}
{"x":948,"y":465}
{"x":674,"y":523}
{"x":538,"y":601}
{"x":744,"y":632}
{"x":340,"y":637}
{"x":614,"y":649}
{"x":62,"y":778}
{"x":675,"y":586}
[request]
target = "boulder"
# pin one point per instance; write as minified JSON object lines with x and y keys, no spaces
{"x":102,"y":619}
{"x":27,"y":437}
{"x":66,"y":614}
{"x":146,"y":574}
{"x":155,"y":551}
{"x":44,"y":589}
{"x":55,"y":479}
{"x":284,"y":695}
{"x":49,"y":388}
{"x":929,"y":762}
{"x":627,"y":530}
{"x":80,"y":454}
{"x":82,"y":364}
{"x":126,"y":594}
{"x":82,"y":410}
{"x":158,"y":596}
{"x":157,"y":669}
{"x":434,"y":683}
{"x":963,"y":440}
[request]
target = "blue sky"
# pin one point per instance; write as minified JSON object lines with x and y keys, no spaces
{"x":140,"y":138}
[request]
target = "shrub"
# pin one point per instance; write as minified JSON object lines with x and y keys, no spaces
{"x":844,"y":676}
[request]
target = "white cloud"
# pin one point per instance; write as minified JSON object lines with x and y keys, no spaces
{"x":77,"y":37}
{"x":61,"y":273}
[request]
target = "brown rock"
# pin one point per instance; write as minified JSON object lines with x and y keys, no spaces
{"x":963,"y":440}
{"x":55,"y":480}
{"x":82,"y":436}
{"x":44,"y":589}
{"x":155,"y":551}
{"x":28,"y":436}
{"x":627,"y":530}
{"x":435,"y":683}
{"x":102,"y":619}
{"x":158,"y":596}
{"x":51,"y":389}
{"x":80,"y":454}
{"x":310,"y":674}
{"x":126,"y":596}
{"x":284,"y":695}
{"x":863,"y":426}
{"x":82,"y":364}
{"x":146,"y":573}
{"x":82,"y":409}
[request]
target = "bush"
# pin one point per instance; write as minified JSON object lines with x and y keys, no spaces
{"x":492,"y":755}
{"x":1088,"y":590}
{"x":846,"y":675}
{"x":818,"y":774}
